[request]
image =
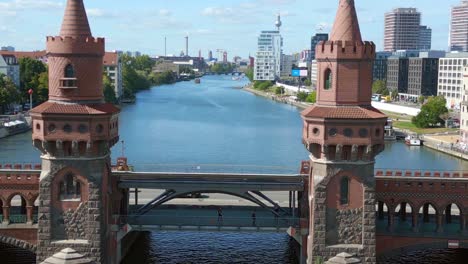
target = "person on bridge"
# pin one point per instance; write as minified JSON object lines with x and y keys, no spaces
{"x":254,"y":218}
{"x":220,"y":216}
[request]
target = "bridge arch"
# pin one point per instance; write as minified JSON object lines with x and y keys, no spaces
{"x":18,"y":243}
{"x":170,"y":195}
{"x":428,"y":221}
{"x":405,"y":216}
{"x":454,"y":218}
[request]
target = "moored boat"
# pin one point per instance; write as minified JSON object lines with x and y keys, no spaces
{"x":389,"y":131}
{"x":413,"y":140}
{"x":197,"y":81}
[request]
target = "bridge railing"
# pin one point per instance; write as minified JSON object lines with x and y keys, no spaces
{"x":207,"y":221}
{"x":216,"y":168}
{"x":421,"y":173}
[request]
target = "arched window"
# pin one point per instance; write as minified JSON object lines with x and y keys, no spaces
{"x":70,"y":188}
{"x":328,"y":79}
{"x":344,"y":191}
{"x":69,"y":71}
{"x":69,"y":80}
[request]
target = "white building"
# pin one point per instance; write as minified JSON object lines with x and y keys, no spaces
{"x":113,"y":67}
{"x":268,"y":61}
{"x":464,"y":108}
{"x":314,"y":73}
{"x":450,"y":84}
{"x":287,"y":62}
{"x":10,"y":67}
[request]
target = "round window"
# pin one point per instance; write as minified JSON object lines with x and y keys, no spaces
{"x":67,"y":128}
{"x":332,"y":132}
{"x":83,"y":128}
{"x":99,"y":128}
{"x":316,"y":131}
{"x":348,"y":132}
{"x":363,"y":132}
{"x":52,"y":128}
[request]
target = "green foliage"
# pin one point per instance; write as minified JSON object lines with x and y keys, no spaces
{"x":109,"y":92}
{"x":42,"y":91}
{"x":312,"y":97}
{"x":380,"y":87}
{"x":308,"y":82}
{"x":8,"y":92}
{"x":279,"y":90}
{"x":302,"y":96}
{"x":421,"y":99}
{"x":431,"y":112}
{"x":250,"y":74}
{"x":262,"y":85}
{"x":222,"y":68}
{"x":167,"y":77}
{"x":30,"y":74}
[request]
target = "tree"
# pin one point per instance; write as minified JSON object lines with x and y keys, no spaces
{"x":30,"y":70}
{"x":431,"y":112}
{"x":421,"y":99}
{"x":380,"y":87}
{"x":312,"y":97}
{"x":8,"y":92}
{"x":109,"y":92}
{"x":279,"y":90}
{"x":308,"y":82}
{"x":302,"y":96}
{"x":250,"y":74}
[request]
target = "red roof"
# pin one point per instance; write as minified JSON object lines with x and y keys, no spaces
{"x":78,"y":109}
{"x":25,"y":54}
{"x":75,"y":21}
{"x":343,"y":112}
{"x":111,"y":58}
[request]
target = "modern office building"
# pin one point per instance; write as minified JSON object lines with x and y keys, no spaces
{"x":459,"y":27}
{"x":397,"y":74}
{"x":7,"y":48}
{"x":306,"y":55}
{"x":286,"y":65}
{"x":422,"y":77}
{"x":316,"y":40}
{"x":403,"y":30}
{"x":425,"y":38}
{"x":451,"y":78}
{"x":379,"y":70}
{"x":268,"y":61}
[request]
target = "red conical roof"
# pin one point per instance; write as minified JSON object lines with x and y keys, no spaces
{"x":75,"y":22}
{"x":346,"y":26}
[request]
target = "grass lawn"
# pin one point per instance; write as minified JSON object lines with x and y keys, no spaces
{"x":410,"y":126}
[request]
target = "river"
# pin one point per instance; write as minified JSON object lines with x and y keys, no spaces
{"x":214,"y":126}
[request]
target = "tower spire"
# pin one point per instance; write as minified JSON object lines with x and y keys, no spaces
{"x":346,"y":26}
{"x":75,"y":21}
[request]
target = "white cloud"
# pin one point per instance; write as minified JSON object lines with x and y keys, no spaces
{"x":217,"y":11}
{"x":17,"y":5}
{"x":165,"y":12}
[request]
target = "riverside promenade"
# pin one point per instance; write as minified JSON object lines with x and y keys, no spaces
{"x":274,"y":97}
{"x":448,"y":144}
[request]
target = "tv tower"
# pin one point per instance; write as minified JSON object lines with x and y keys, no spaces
{"x":278,"y":22}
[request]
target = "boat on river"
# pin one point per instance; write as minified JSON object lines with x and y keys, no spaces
{"x":14,"y":127}
{"x":413,"y":140}
{"x":197,"y":81}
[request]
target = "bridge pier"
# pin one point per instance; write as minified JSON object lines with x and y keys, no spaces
{"x":29,"y":214}
{"x":415,"y":221}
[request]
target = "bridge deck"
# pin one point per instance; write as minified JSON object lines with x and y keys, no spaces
{"x":211,"y":181}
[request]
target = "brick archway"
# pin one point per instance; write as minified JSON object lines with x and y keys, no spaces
{"x":18,"y":243}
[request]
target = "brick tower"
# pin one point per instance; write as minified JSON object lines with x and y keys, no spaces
{"x":74,"y":131}
{"x":343,"y":133}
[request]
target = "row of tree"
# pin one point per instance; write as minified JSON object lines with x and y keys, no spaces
{"x":222,"y":68}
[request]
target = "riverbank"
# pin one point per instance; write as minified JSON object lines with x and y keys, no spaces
{"x":447,"y":144}
{"x":284,"y":100}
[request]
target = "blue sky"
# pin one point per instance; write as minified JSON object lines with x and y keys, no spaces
{"x":232,"y":25}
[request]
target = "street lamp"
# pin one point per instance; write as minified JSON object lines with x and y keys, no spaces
{"x":30,"y":92}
